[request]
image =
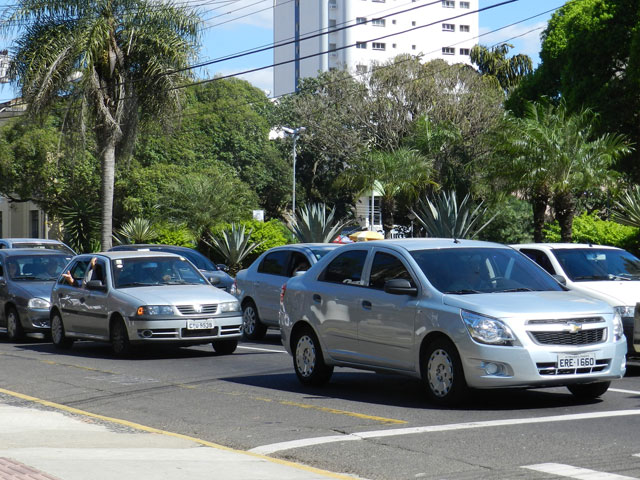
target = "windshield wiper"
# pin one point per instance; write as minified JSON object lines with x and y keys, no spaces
{"x":621,"y":276}
{"x":593,"y":277}
{"x":466,"y":291}
{"x":518,"y":289}
{"x":135,"y":284}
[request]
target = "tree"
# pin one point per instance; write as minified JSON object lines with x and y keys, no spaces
{"x":553,"y":156}
{"x":122,"y":59}
{"x":494,"y":63}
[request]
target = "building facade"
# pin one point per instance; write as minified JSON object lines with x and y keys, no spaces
{"x":314,"y":36}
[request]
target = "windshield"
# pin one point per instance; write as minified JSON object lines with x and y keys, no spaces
{"x":463,"y":271}
{"x":47,"y":246}
{"x":33,"y":267}
{"x":589,"y":264}
{"x":147,"y":271}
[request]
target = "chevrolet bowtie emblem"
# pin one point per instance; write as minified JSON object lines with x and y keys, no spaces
{"x":575,"y":327}
{"x":197,"y":308}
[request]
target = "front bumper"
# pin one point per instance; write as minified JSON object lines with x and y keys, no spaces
{"x":495,"y":367}
{"x":35,"y":319}
{"x":174,"y":330}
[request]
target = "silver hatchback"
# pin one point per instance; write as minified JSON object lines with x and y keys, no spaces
{"x":128,"y":298}
{"x":458,"y":314}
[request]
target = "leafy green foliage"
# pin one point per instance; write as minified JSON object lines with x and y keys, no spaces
{"x":445,"y":218}
{"x":272,"y":233}
{"x":137,"y":230}
{"x":589,"y":228}
{"x":233,"y":245}
{"x":81,"y":224}
{"x":494,"y":63}
{"x":512,"y":222}
{"x":628,"y":208}
{"x":171,"y":234}
{"x":312,"y":224}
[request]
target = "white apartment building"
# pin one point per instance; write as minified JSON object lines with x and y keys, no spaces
{"x":364,"y":31}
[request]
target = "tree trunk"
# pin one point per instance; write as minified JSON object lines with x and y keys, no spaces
{"x":387,"y":208}
{"x":108,"y":163}
{"x":539,"y":203}
{"x":564,"y":206}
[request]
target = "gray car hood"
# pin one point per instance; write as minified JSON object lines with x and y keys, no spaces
{"x":529,"y":304}
{"x":178,"y":294}
{"x":33,"y":289}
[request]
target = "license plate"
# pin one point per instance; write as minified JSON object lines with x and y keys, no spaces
{"x":584,"y":360}
{"x":199,"y":324}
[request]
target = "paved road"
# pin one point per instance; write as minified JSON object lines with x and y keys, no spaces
{"x":374,"y":426}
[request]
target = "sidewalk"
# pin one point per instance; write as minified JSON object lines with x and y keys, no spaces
{"x":41,"y":442}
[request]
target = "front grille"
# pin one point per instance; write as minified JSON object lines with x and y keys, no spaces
{"x":565,"y":321}
{"x":551,"y":368}
{"x":230,"y":330}
{"x":193,"y":309}
{"x":583,"y":337}
{"x":205,"y":332}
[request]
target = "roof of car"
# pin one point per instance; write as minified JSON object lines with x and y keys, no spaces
{"x":32,"y":240}
{"x":565,"y":246}
{"x":142,"y":246}
{"x":32,"y":251}
{"x":427,"y":243}
{"x":129,"y":254}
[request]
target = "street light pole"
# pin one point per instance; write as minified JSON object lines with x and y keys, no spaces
{"x":294,"y":132}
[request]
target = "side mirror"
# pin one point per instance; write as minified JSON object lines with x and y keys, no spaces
{"x":222,"y":266}
{"x":400,"y":286}
{"x":96,"y":285}
{"x":560,"y":279}
{"x":213,"y":280}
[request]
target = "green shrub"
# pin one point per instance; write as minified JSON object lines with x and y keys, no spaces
{"x":169,"y":234}
{"x":592,"y":229}
{"x":513,"y":222}
{"x":267,"y":234}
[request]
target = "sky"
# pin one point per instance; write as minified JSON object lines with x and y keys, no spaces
{"x":235,"y":26}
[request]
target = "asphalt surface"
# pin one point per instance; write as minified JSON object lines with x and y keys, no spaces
{"x":362,"y":424}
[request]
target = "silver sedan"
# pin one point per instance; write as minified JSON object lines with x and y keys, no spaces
{"x":458,"y":314}
{"x":128,"y":298}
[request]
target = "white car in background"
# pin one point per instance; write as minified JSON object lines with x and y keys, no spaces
{"x":607,"y":273}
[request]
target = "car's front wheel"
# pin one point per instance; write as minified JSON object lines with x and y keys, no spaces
{"x":442,"y":373}
{"x":252,"y":327}
{"x":225,"y":347}
{"x":14,"y":327}
{"x":58,"y":336}
{"x":589,"y":391}
{"x":308,"y":361}
{"x":120,"y":339}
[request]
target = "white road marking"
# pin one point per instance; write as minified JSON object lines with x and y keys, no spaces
{"x":619,"y":390}
{"x":306,"y":442}
{"x":575,"y":472}
{"x":261,"y":349}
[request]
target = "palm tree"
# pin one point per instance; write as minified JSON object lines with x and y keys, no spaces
{"x":115,"y":59}
{"x":553,"y":157}
{"x":401,"y":172}
{"x":628,"y":208}
{"x":494,"y":63}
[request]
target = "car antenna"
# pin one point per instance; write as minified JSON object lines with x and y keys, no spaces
{"x":455,"y":240}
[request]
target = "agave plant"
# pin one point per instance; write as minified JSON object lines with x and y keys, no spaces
{"x":234,"y":245}
{"x":628,"y":208}
{"x":138,"y":230}
{"x":313,"y":224}
{"x":445,"y":218}
{"x":81,"y":221}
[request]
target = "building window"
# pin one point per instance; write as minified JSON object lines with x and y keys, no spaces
{"x":378,"y":46}
{"x":332,"y":23}
{"x":448,"y":27}
{"x":448,"y":51}
{"x":34,"y":218}
{"x":413,"y":47}
{"x":465,"y":51}
{"x":464,"y":28}
{"x":464,"y":5}
{"x":361,"y":20}
{"x":361,"y":44}
{"x":393,"y":21}
{"x":361,"y":69}
{"x":378,"y":22}
{"x":413,"y":24}
{"x":393,"y":45}
{"x":333,"y":4}
{"x":332,"y":47}
{"x":379,"y":1}
{"x":448,"y":3}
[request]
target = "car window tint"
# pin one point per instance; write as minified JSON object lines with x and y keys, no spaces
{"x":299,"y":263}
{"x":585,"y":264}
{"x":275,"y":263}
{"x":345,"y":268}
{"x":387,"y":267}
{"x":540,"y":258}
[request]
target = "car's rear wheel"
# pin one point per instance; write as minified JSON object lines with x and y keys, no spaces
{"x":308,"y":361}
{"x":14,"y":327}
{"x":58,"y":336}
{"x":225,"y":347}
{"x":442,"y":373}
{"x":120,"y":339}
{"x":252,"y":327}
{"x":589,"y":391}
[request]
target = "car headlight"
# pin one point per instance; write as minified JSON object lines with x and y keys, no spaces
{"x":229,"y":307}
{"x":155,"y":310}
{"x":618,"y":330}
{"x":488,"y":330}
{"x":38,"y":303}
{"x":627,"y":311}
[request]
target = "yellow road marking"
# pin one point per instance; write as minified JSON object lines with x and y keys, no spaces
{"x":147,"y":429}
{"x":343,"y":412}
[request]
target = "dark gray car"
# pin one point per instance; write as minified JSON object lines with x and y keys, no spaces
{"x":41,"y":243}
{"x":258,"y":287}
{"x":26,"y":279}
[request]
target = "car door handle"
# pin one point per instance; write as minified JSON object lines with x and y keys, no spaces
{"x":366,"y":304}
{"x":317,"y":298}
{"x":81,"y":299}
{"x":63,"y":297}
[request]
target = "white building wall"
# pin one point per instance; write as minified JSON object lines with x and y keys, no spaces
{"x":321,"y":15}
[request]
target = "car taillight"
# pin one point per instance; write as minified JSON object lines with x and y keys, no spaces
{"x":283,"y":290}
